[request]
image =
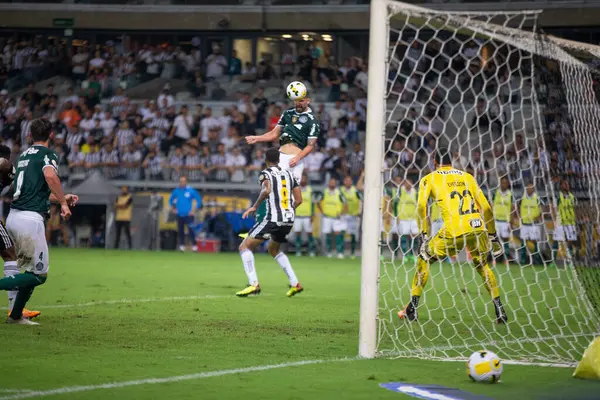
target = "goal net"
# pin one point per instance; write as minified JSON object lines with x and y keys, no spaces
{"x":515,"y":108}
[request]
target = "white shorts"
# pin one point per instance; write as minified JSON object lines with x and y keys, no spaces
{"x":503,"y":229}
{"x":330,"y":225}
{"x":436,"y":226}
{"x":566,"y":232}
{"x":402,"y":228}
{"x":531,"y":232}
{"x":29,"y":234}
{"x":302,"y":225}
{"x":284,"y":162}
{"x":352,"y":224}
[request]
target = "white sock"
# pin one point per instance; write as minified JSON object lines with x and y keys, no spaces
{"x":248,"y":260}
{"x":10,"y":269}
{"x":286,"y":266}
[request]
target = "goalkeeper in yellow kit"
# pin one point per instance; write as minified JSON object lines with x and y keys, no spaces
{"x":468,"y":222}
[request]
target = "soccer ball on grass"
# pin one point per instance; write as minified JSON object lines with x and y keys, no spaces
{"x":296,"y":90}
{"x":484,"y":366}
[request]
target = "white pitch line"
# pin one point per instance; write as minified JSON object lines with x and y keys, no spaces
{"x":14,"y":391}
{"x":133,"y":301}
{"x":153,"y":381}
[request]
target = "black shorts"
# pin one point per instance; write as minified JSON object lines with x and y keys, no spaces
{"x":265,"y":230}
{"x":5,"y":240}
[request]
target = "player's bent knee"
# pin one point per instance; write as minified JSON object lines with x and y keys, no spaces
{"x":9,"y":254}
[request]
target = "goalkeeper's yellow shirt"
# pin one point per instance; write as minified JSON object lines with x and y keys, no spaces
{"x":502,"y":205}
{"x":436,"y":214}
{"x":463,"y":205}
{"x":307,"y":207}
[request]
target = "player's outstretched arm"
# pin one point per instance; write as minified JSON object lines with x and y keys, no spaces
{"x":422,"y":198}
{"x":270,"y":136}
{"x":264,"y":193}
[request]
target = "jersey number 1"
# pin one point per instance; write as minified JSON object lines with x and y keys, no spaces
{"x":462,"y":197}
{"x":19,"y":184}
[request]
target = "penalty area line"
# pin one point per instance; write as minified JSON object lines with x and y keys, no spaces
{"x":153,"y":381}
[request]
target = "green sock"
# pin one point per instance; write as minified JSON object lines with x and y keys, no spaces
{"x":311,"y":243}
{"x":415,"y":245}
{"x":352,"y":244}
{"x":394,"y":244}
{"x":524,"y":258}
{"x":329,"y":241}
{"x":339,"y":241}
{"x":298,"y":243}
{"x":404,"y":244}
{"x":23,"y":296}
{"x":19,"y":281}
{"x":506,"y":251}
{"x":24,"y":283}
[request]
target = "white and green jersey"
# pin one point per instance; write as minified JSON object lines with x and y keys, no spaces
{"x":31,"y":190}
{"x":297,"y":128}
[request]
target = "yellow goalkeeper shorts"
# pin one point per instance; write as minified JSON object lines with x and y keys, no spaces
{"x":477,"y":243}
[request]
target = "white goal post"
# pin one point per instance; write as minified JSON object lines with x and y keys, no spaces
{"x":433,"y":76}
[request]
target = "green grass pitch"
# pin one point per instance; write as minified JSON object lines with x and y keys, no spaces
{"x":140,"y":325}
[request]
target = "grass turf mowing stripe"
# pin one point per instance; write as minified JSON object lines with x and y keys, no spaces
{"x":133,"y":301}
{"x":153,"y":381}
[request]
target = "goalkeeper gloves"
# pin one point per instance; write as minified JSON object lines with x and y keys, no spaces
{"x":496,"y":245}
{"x":424,"y":250}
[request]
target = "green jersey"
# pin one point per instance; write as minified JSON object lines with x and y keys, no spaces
{"x":298,"y":128}
{"x":31,"y":190}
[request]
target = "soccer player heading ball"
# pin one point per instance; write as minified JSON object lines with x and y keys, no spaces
{"x":297,"y":131}
{"x":468,"y":223}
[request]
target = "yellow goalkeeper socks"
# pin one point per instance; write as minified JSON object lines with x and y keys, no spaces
{"x":489,"y":280}
{"x":421,"y":277}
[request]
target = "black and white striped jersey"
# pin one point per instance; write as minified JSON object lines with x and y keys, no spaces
{"x":280,"y":203}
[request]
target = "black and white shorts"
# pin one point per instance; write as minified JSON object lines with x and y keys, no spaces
{"x":5,"y":240}
{"x":275,"y":231}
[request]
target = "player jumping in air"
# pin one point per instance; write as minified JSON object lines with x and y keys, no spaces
{"x":297,"y":131}
{"x":35,"y":186}
{"x":7,"y":248}
{"x":468,"y":222}
{"x":280,"y":191}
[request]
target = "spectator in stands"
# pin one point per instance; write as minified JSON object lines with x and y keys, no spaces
{"x":166,"y":99}
{"x":216,"y":63}
{"x":235,"y":65}
{"x":181,"y":131}
{"x":176,"y":162}
{"x":132,"y":162}
{"x":79,"y":63}
{"x":236,"y":165}
{"x":193,"y":164}
{"x":219,"y":164}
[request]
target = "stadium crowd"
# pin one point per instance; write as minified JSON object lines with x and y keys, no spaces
{"x":159,"y":140}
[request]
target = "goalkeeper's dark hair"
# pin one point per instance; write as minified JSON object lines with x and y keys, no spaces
{"x":41,"y":129}
{"x":272,"y":155}
{"x":443,"y":157}
{"x":5,"y":152}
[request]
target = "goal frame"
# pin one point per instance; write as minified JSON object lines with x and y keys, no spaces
{"x":375,"y":141}
{"x":379,"y":35}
